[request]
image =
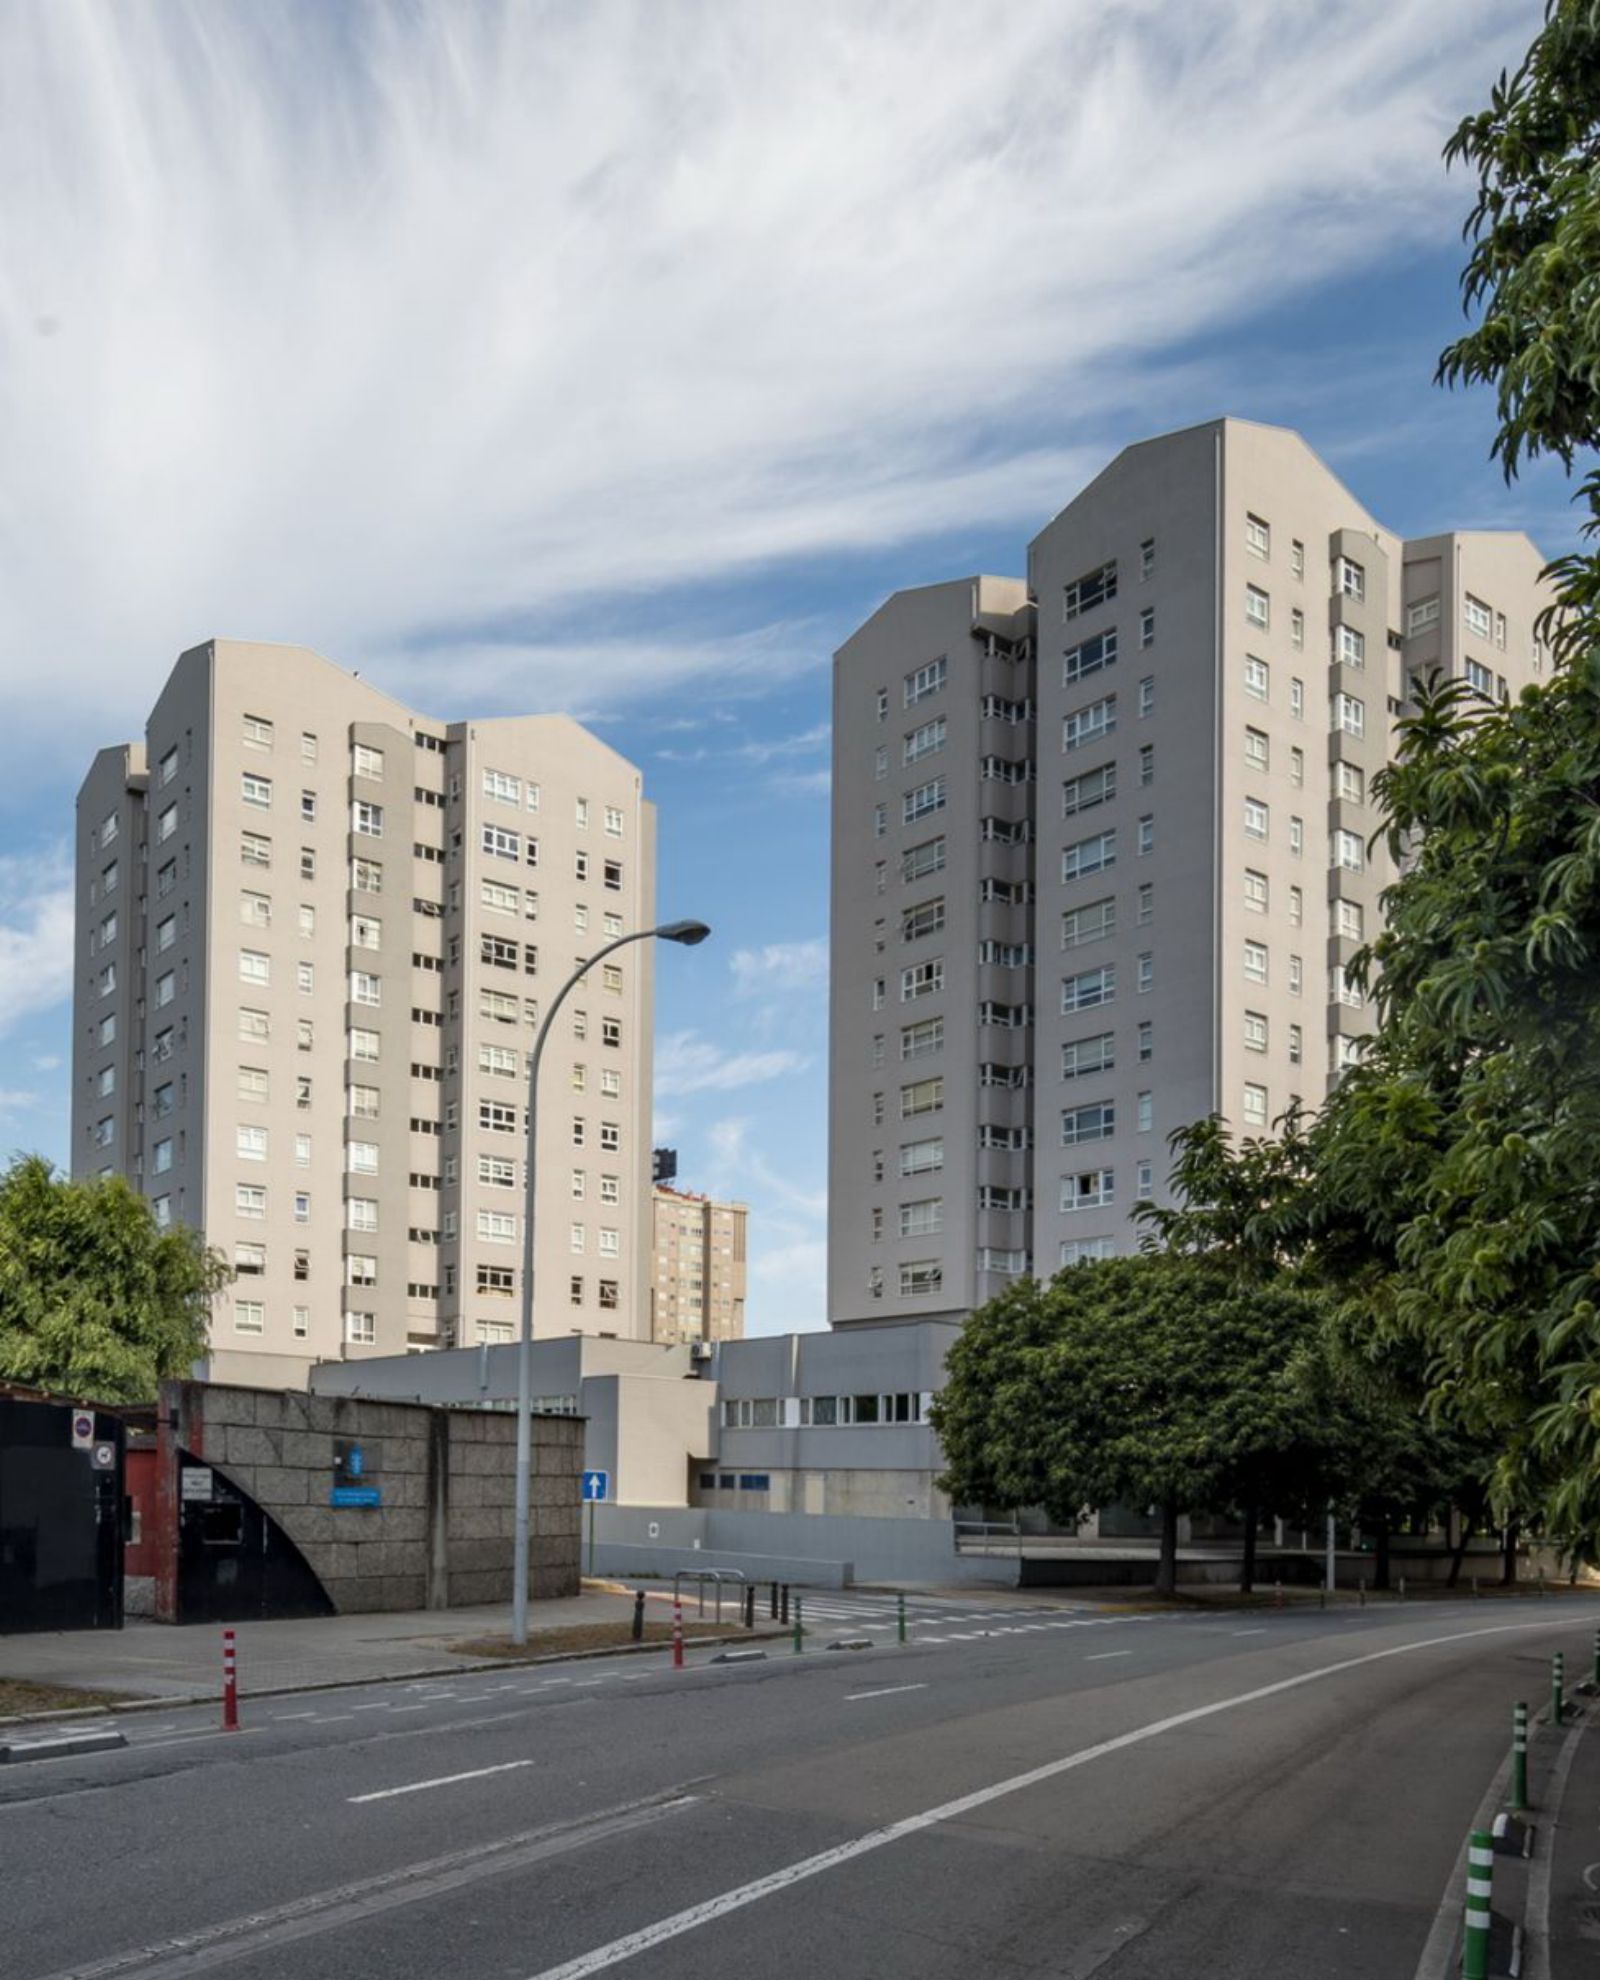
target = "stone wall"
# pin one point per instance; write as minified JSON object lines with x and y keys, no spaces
{"x":442,"y":1536}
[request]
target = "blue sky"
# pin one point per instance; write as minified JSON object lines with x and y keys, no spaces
{"x":622,"y":357}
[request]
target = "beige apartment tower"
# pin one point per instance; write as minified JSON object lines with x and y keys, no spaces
{"x":1103,"y":848}
{"x":699,"y":1268}
{"x":314,"y":930}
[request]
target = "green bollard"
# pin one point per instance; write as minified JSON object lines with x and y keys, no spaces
{"x":1558,"y":1689}
{"x":799,"y":1631}
{"x":1480,"y":1872}
{"x":1519,"y":1757}
{"x":900,"y":1620}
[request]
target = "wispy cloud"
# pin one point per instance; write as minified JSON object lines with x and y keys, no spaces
{"x":36,"y":933}
{"x":366,"y":325}
{"x":780,"y":966}
{"x":687,"y":1063}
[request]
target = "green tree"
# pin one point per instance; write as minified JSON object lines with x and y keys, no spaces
{"x":95,"y":1300}
{"x":1159,"y":1380}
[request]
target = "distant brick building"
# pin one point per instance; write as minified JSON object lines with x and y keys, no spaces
{"x":698,"y":1268}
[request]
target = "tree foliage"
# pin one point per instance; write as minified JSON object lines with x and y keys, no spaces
{"x":95,"y":1300}
{"x":1158,"y":1380}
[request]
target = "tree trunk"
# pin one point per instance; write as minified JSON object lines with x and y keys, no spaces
{"x":1458,"y":1554}
{"x":1508,"y":1555}
{"x":1167,"y":1565}
{"x":1380,"y":1556}
{"x":1247,"y":1564}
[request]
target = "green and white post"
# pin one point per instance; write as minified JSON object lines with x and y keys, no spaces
{"x":1475,"y":1938}
{"x":1558,"y":1688}
{"x":1519,"y":1757}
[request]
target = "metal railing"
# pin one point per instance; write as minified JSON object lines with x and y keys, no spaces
{"x":716,"y":1576}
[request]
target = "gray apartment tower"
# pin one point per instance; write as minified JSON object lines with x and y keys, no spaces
{"x":1103,"y":848}
{"x":313,"y":932}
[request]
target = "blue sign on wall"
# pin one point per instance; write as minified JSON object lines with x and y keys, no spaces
{"x":355,"y":1495}
{"x":596,"y":1485}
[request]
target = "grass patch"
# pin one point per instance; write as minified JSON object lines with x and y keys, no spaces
{"x":19,"y":1695}
{"x":587,"y":1636}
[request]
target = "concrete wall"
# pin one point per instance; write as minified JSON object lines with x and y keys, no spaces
{"x":792,"y":1547}
{"x":442,"y":1536}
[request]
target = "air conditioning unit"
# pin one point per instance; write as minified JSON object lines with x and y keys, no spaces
{"x":700,"y":1350}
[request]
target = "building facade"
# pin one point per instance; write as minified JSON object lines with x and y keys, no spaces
{"x":698,"y":1267}
{"x":313,"y":932}
{"x":1103,"y":849}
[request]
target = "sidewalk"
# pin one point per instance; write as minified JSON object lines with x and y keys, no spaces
{"x":160,"y":1660}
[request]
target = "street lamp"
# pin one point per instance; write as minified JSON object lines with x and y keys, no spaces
{"x":688,"y":933}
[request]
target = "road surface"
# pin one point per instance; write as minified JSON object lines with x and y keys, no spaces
{"x":1019,"y":1792}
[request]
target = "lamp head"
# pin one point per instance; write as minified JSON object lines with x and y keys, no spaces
{"x":686,"y":932}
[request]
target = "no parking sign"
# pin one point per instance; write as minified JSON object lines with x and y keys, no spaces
{"x":83,"y":1429}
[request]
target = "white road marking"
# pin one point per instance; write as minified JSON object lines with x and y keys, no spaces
{"x":706,"y":1913}
{"x":372,"y":1708}
{"x":443,"y":1780}
{"x":888,"y":1691}
{"x":297,"y":1715}
{"x":1251,"y":1632}
{"x":1100,"y":1656}
{"x":408,"y":1708}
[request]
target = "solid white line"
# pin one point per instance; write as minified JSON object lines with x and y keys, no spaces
{"x":674,"y":1926}
{"x":444,"y":1780}
{"x":888,"y":1691}
{"x":1251,"y":1632}
{"x":1100,"y":1656}
{"x":312,"y":1715}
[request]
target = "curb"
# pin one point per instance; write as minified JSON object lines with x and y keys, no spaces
{"x":477,"y":1669}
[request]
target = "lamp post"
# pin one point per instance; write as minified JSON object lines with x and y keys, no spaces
{"x":688,"y":933}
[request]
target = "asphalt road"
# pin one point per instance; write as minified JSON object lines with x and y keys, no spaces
{"x":1266,"y":1794}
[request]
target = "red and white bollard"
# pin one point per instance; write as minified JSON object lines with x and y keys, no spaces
{"x":677,"y":1635}
{"x":230,"y":1684}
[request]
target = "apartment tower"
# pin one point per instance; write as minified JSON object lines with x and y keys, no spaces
{"x":1103,"y":849}
{"x":314,"y":929}
{"x":699,"y":1268}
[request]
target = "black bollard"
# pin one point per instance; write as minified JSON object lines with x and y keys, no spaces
{"x":783,"y":1603}
{"x":638,"y":1615}
{"x":750,"y":1608}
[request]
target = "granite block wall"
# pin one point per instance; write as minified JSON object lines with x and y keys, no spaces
{"x":442,"y":1533}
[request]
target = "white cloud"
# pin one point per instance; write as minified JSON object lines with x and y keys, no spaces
{"x":687,"y":1063}
{"x":363,"y":325}
{"x":36,"y":933}
{"x":780,"y":966}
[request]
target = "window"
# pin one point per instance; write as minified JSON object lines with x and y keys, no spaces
{"x":1147,"y":836}
{"x":1097,"y":1122}
{"x":1147,"y":558}
{"x":363,"y":1044}
{"x":1147,"y":764}
{"x":1296,"y":975}
{"x":1349,"y":783}
{"x":613,"y":822}
{"x":924,"y":741}
{"x":1348,"y":920}
{"x":580,"y":813}
{"x":924,"y":1096}
{"x":166,"y":825}
{"x":1087,"y":856}
{"x":1296,"y":1044}
{"x":1096,"y":587}
{"x":361,"y":1213}
{"x":1257,"y":678}
{"x":924,"y":859}
{"x":1092,"y":923}
{"x":251,"y":1143}
{"x":1297,"y":627}
{"x":921,"y":1158}
{"x":1088,"y":989}
{"x":361,"y":1329}
{"x":1146,"y":968}
{"x":1256,"y":748}
{"x":917,"y":1041}
{"x":1255,"y":962}
{"x":1297,"y":907}
{"x":1147,"y":1043}
{"x":166,"y":931}
{"x":1349,"y":714}
{"x":305,"y":977}
{"x":1088,"y":724}
{"x":252,"y":1082}
{"x":1147,"y":696}
{"x":1297,"y":766}
{"x":921,"y":1276}
{"x":927,"y":918}
{"x":1092,"y":787}
{"x":366,"y":932}
{"x":365,"y":988}
{"x":249,"y":1316}
{"x":611,"y":875}
{"x":1420,"y":616}
{"x":1255,"y":1031}
{"x":1256,"y":818}
{"x":925,"y":798}
{"x":1083,"y":1056}
{"x":168,"y":768}
{"x":923,"y":1218}
{"x":308,"y":807}
{"x":1257,"y":536}
{"x":497,"y":1117}
{"x":921,"y":980}
{"x":1478,"y":617}
{"x":1297,"y":836}
{"x":1257,"y":606}
{"x":250,"y":1200}
{"x":1091,"y":656}
{"x":1297,"y":699}
{"x":1255,"y":1106}
{"x":367,"y":818}
{"x":610,"y":1136}
{"x":1480,"y":677}
{"x":1091,"y":1189}
{"x":254,"y":966}
{"x":1348,"y":851}
{"x":925,"y":681}
{"x":1147,"y":626}
{"x":497,"y":1227}
{"x":1349,"y":647}
{"x":361,"y":1158}
{"x":1255,"y":891}
{"x":1086,"y":1251}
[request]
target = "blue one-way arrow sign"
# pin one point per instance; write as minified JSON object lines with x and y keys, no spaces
{"x":596,"y":1485}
